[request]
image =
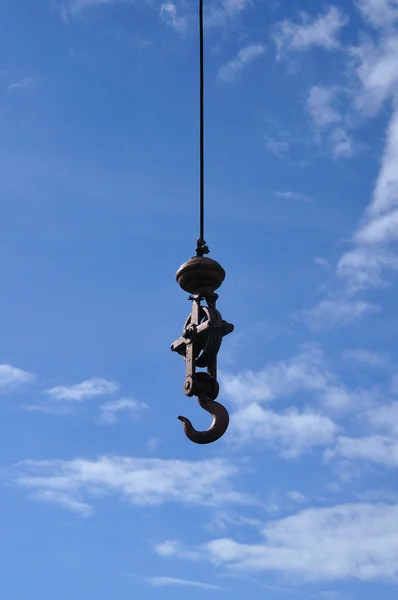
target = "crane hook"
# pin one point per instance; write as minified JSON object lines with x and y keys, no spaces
{"x":218,"y":427}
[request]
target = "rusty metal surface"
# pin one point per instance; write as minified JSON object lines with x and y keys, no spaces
{"x":199,"y":345}
{"x":218,"y":427}
{"x":200,"y":275}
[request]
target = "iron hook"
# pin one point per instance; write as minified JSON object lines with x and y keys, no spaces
{"x":218,"y":427}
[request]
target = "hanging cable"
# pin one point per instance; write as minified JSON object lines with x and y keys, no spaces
{"x":201,"y":247}
{"x":205,"y":328}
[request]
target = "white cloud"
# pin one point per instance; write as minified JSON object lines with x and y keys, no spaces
{"x":386,"y":418}
{"x":342,"y":145}
{"x":91,"y":388}
{"x":329,"y":313}
{"x":375,"y":67}
{"x":332,"y":595}
{"x":321,"y":31}
{"x":322,"y":262}
{"x":50,"y":408}
{"x":220,"y":13}
{"x":367,"y":357}
{"x":379,"y":449}
{"x":381,"y":13}
{"x":111,"y":409}
{"x":291,"y":433}
{"x":168,"y":548}
{"x":63,"y":500}
{"x":385,"y":195}
{"x":20,"y":84}
{"x":373,"y":255}
{"x":244,"y":57}
{"x":320,"y":105}
{"x":169,"y":14}
{"x":11,"y":377}
{"x":295,"y":196}
{"x":363,"y":267}
{"x":277,"y":146}
{"x":380,"y":446}
{"x":297,"y":497}
{"x":340,"y":399}
{"x":379,"y":230}
{"x":306,"y":371}
{"x":235,"y":6}
{"x":74,"y":7}
{"x":173,"y":581}
{"x":334,"y":543}
{"x":143,"y":482}
{"x":152,"y":444}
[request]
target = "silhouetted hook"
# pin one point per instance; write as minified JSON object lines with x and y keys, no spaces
{"x":218,"y":427}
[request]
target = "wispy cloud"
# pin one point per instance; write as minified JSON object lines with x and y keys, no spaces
{"x":373,"y":65}
{"x":222,"y":13}
{"x":328,"y":120}
{"x":152,"y":445}
{"x":245,"y":56}
{"x":385,"y":197}
{"x":377,"y":449}
{"x":373,"y":256}
{"x":380,"y":446}
{"x":295,"y":196}
{"x":297,"y":497}
{"x":168,"y":548}
{"x":63,"y":500}
{"x":173,"y":581}
{"x":305,"y":371}
{"x":333,"y":595}
{"x":385,"y":418}
{"x":290,"y":432}
{"x":20,"y":84}
{"x":321,"y":106}
{"x":321,"y":31}
{"x":91,"y":388}
{"x":364,"y":267}
{"x":68,"y":8}
{"x":300,"y":427}
{"x":379,"y":230}
{"x":367,"y":357}
{"x":143,"y":482}
{"x":381,"y":13}
{"x":322,"y":262}
{"x":110,"y":411}
{"x":65,"y":399}
{"x":51,"y":408}
{"x":278,"y":146}
{"x":340,"y":399}
{"x":319,"y":544}
{"x":342,"y":144}
{"x":12,"y":377}
{"x":169,"y":14}
{"x":372,"y":80}
{"x":336,"y":312}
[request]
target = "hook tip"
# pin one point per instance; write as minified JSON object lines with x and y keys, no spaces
{"x":217,"y":428}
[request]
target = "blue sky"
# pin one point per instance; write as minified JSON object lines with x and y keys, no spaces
{"x":102,"y":495}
